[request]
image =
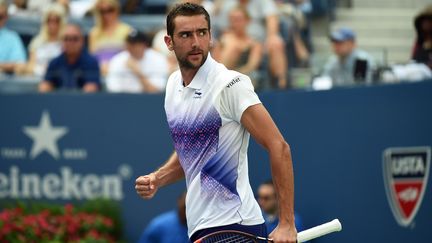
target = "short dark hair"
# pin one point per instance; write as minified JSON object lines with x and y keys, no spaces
{"x":185,"y":9}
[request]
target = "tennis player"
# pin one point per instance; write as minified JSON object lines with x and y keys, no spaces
{"x":211,"y":112}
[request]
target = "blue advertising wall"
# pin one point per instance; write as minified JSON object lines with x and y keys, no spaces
{"x":76,"y":147}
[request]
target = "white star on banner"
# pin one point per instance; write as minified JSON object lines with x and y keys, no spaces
{"x":45,"y":137}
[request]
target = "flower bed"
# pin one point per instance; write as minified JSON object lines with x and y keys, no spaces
{"x":97,"y":221}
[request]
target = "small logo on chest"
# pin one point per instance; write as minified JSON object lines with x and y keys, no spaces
{"x":197,"y":94}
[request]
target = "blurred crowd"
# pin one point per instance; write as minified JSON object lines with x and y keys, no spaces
{"x":265,"y":39}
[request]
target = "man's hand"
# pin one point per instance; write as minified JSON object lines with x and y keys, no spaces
{"x":284,"y":234}
{"x":133,"y":65}
{"x":146,"y":186}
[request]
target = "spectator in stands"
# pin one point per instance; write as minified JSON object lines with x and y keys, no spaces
{"x":75,"y":68}
{"x":27,"y":8}
{"x":422,"y":51}
{"x":236,"y":49}
{"x":18,"y":8}
{"x":168,"y":227}
{"x":349,"y":65}
{"x":264,"y":27}
{"x":107,"y":37}
{"x":295,"y":30}
{"x":137,"y":69}
{"x":12,"y":52}
{"x":47,"y":44}
{"x":269,"y":206}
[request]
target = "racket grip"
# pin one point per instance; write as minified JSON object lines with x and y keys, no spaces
{"x":319,"y":230}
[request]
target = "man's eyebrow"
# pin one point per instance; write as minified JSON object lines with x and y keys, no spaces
{"x":190,"y":31}
{"x":185,"y":32}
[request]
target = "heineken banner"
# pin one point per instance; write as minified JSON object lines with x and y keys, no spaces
{"x":360,"y":154}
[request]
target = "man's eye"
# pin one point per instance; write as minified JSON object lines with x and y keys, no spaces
{"x":184,"y":35}
{"x":202,"y":33}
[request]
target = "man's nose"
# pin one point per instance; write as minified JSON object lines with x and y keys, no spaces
{"x":195,"y":40}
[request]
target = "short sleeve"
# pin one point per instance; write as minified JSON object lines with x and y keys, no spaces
{"x":18,"y":53}
{"x":51,"y":73}
{"x":92,"y":71}
{"x":236,"y":97}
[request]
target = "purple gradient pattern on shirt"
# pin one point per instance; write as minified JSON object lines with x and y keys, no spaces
{"x":196,"y":142}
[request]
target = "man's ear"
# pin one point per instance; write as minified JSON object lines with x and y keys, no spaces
{"x":168,"y":42}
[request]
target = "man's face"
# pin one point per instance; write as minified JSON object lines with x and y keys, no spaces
{"x":426,"y":26}
{"x":238,"y":20}
{"x":136,"y":50}
{"x":267,"y":199}
{"x":73,"y":40}
{"x":190,"y":41}
{"x":343,"y":48}
{"x":3,"y":16}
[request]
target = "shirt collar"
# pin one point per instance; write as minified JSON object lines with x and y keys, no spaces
{"x":201,"y":76}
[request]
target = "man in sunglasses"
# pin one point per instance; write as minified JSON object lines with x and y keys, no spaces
{"x":12,"y":52}
{"x":268,"y":202}
{"x":75,"y":68}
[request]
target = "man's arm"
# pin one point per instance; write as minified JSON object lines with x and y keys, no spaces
{"x":45,"y":86}
{"x":147,"y":185}
{"x":260,"y":125}
{"x":147,"y":85}
{"x":90,"y":87}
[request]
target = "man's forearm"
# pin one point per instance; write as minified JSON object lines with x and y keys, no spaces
{"x":7,"y":67}
{"x":283,"y":179}
{"x":170,"y":172}
{"x":148,"y":87}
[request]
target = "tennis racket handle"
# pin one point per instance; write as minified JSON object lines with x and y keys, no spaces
{"x":319,"y":230}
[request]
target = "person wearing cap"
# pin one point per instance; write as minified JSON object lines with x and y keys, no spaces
{"x":348,"y":65}
{"x":422,"y":51}
{"x":138,"y":68}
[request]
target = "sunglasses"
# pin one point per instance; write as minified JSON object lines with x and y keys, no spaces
{"x":53,"y":20}
{"x":71,"y":38}
{"x":107,"y":10}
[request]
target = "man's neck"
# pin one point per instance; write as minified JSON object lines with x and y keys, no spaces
{"x":72,"y":58}
{"x":188,"y":75}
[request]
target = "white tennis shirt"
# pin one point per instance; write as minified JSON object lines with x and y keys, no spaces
{"x":204,"y":120}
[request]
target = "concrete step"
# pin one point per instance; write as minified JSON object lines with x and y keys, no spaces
{"x":396,"y":24}
{"x":416,"y":4}
{"x":384,"y":12}
{"x":395,"y":51}
{"x":381,"y":58}
{"x":391,"y":43}
{"x":377,"y":30}
{"x":376,"y":14}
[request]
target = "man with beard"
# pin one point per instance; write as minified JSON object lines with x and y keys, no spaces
{"x":211,"y":113}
